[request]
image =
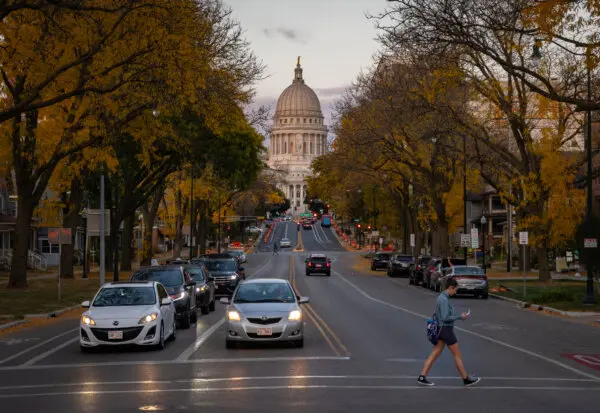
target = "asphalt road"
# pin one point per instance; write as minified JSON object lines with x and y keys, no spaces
{"x":364,"y":347}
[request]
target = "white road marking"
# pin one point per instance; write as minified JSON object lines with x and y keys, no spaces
{"x":298,"y":387}
{"x":45,"y":354}
{"x":400,"y":360}
{"x":323,"y":232}
{"x":473,"y":333}
{"x":19,"y":354}
{"x":192,"y":348}
{"x":276,"y":378}
{"x":14,"y":341}
{"x":170,"y":362}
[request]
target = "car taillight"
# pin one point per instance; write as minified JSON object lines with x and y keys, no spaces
{"x":418,"y":267}
{"x":310,"y":264}
{"x":327,"y":265}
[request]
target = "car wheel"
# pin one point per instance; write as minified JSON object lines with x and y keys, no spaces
{"x":211,"y":306}
{"x":410,"y":280}
{"x":307,"y":273}
{"x":485,"y":296}
{"x":185,"y":320}
{"x":329,"y":274}
{"x":299,"y":343}
{"x":204,"y":309}
{"x":230,"y":344}
{"x":194,"y":315}
{"x":161,"y":341}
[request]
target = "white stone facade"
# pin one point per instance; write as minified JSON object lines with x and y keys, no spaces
{"x":298,"y":136}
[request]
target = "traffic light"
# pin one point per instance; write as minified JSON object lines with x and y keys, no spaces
{"x":369,"y":227}
{"x":358,"y":226}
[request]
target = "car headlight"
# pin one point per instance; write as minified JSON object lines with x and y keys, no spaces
{"x":87,"y":320}
{"x":233,"y":316}
{"x":233,"y":277}
{"x":148,"y":318}
{"x":179,"y":296}
{"x":203,"y":288}
{"x":295,"y":315}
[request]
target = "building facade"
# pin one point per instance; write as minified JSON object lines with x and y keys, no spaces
{"x":297,"y":137}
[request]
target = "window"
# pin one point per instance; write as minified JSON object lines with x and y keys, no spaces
{"x":285,"y":121}
{"x":297,"y":120}
{"x":304,"y":120}
{"x":47,"y":249}
{"x":311,"y":121}
{"x":297,"y":203}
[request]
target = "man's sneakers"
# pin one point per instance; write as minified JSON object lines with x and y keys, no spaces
{"x":422,"y":380}
{"x":471,"y":381}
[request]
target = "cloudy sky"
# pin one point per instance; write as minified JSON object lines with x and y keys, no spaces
{"x":333,"y":37}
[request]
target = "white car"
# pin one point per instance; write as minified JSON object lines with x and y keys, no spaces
{"x":123,"y":313}
{"x":285,"y":242}
{"x":253,"y":229}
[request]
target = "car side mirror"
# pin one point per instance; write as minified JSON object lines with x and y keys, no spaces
{"x":166,"y":301}
{"x":224,"y":300}
{"x":85,"y":304}
{"x":303,"y":300}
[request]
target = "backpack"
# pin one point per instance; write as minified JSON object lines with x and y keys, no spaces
{"x":433,"y":330}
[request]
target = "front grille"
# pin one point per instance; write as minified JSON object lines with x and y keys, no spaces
{"x":128,"y":333}
{"x":272,"y":320}
{"x":254,"y":335}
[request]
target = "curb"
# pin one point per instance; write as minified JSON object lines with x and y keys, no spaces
{"x":12,"y":324}
{"x":54,"y":313}
{"x":541,"y":307}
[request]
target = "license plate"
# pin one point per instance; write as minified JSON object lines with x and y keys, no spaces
{"x":216,"y":286}
{"x":471,"y":287}
{"x":265,"y":332}
{"x":115,"y":335}
{"x":318,"y":265}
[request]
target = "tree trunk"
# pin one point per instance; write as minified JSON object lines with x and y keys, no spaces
{"x":18,"y":265}
{"x":126,"y":239}
{"x":203,"y":221}
{"x":544,"y":271}
{"x":179,"y":219}
{"x":71,"y":220}
{"x":149,"y":215}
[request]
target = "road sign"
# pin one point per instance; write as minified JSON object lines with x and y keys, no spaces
{"x":59,"y":236}
{"x":375,"y":233}
{"x":380,"y":240}
{"x":474,"y":238}
{"x":412,"y":240}
{"x":523,"y":238}
{"x":590,"y":243}
{"x":465,"y":240}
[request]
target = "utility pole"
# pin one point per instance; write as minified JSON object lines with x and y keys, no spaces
{"x":102,"y":232}
{"x":192,"y":216}
{"x":465,"y":229}
{"x":219,"y":237}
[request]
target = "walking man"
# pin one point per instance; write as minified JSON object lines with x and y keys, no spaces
{"x":445,"y":315}
{"x":275,"y":248}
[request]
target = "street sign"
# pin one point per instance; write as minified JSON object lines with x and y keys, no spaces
{"x":465,"y":240}
{"x":474,"y":238}
{"x":590,"y":243}
{"x":523,"y":238}
{"x":380,"y":240}
{"x":375,"y":233}
{"x":58,"y":236}
{"x":412,"y":240}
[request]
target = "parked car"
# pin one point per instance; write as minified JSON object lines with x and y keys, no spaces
{"x":471,"y":280}
{"x":318,"y":264}
{"x":440,"y":270}
{"x":429,"y":269}
{"x":401,"y":265}
{"x":416,"y":277}
{"x":264,"y":310}
{"x":381,"y":260}
{"x":285,"y":243}
{"x":124,"y":313}
{"x":205,"y":287}
{"x":179,"y":286}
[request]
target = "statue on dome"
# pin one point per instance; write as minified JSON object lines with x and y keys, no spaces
{"x":298,"y":61}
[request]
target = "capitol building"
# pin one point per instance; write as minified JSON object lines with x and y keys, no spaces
{"x":297,"y":137}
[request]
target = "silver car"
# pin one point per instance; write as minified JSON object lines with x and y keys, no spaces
{"x":285,"y":242}
{"x":264,"y":310}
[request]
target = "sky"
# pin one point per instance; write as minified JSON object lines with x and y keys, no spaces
{"x":333,"y":37}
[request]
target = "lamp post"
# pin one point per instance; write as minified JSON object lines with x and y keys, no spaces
{"x":465,"y":249}
{"x":483,"y":236}
{"x":589,"y":221}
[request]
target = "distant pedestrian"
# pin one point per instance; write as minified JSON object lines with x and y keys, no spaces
{"x":275,"y":248}
{"x":445,"y":318}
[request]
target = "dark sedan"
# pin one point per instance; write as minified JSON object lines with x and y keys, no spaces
{"x":205,"y":287}
{"x":401,"y":265}
{"x":380,"y":261}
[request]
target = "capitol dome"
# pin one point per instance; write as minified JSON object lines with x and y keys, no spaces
{"x":298,"y":99}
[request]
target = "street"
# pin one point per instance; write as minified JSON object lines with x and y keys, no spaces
{"x":365,"y":346}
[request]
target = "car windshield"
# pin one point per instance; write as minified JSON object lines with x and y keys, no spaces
{"x":264,"y":293}
{"x":404,"y":258}
{"x":318,"y":259}
{"x":235,"y":253}
{"x":285,"y":240}
{"x":167,"y":277}
{"x":468,"y":271}
{"x":224,"y":265}
{"x":125,"y":296}
{"x":383,"y":256}
{"x":196,"y":274}
{"x":424,"y":261}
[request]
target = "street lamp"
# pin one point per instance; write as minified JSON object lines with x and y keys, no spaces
{"x":483,"y":235}
{"x":589,"y":223}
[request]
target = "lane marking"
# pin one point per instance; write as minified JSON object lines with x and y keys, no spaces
{"x":493,"y":340}
{"x":329,"y":329}
{"x":192,"y":348}
{"x":297,"y":387}
{"x":310,"y":316}
{"x":19,"y":354}
{"x":42,"y":356}
{"x":173,"y":362}
{"x":276,"y":378}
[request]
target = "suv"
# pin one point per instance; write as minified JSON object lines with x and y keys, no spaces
{"x":401,"y":264}
{"x":417,"y":276}
{"x":380,"y":261}
{"x":226,"y":272}
{"x":318,"y":264}
{"x":179,"y":286}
